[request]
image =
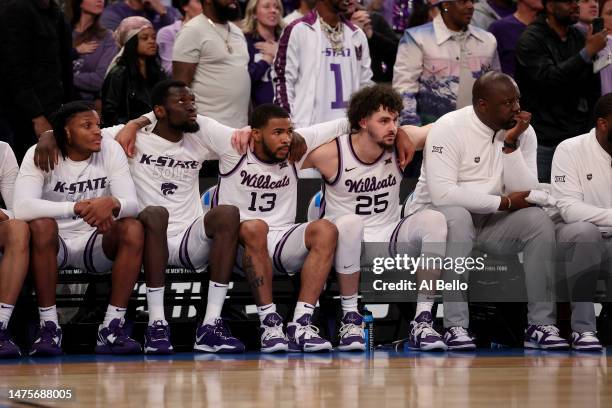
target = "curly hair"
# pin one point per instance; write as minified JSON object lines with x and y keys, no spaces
{"x":369,"y":99}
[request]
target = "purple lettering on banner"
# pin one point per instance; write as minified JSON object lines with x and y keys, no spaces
{"x":338,"y":103}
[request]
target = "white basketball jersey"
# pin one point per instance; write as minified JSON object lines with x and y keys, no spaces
{"x":265,"y":191}
{"x":368,"y":190}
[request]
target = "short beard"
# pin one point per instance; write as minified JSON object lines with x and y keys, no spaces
{"x":272,"y":155}
{"x":187,"y":127}
{"x":224,"y":13}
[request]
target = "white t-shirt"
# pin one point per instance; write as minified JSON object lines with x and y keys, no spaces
{"x":581,"y":179}
{"x":53,"y":194}
{"x":335,"y":81}
{"x":167,"y":174}
{"x":291,"y":17}
{"x":221,"y":83}
{"x":368,"y":190}
{"x":8,"y":175}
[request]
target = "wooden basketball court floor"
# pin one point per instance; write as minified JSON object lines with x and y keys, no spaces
{"x":488,"y":378}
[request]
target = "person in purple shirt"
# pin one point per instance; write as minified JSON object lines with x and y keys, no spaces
{"x":508,"y":30}
{"x":153,"y":10}
{"x":167,"y":35}
{"x":95,"y":48}
{"x":262,"y":28}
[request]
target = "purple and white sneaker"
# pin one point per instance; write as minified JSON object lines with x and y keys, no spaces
{"x":273,"y":338}
{"x":48,"y":342}
{"x":8,"y":349}
{"x":422,"y":334}
{"x":585,"y":341}
{"x":351,"y":333}
{"x":458,"y":338}
{"x":216,"y":338}
{"x":157,"y":338}
{"x":545,"y":337}
{"x":303,"y":336}
{"x":113,"y":340}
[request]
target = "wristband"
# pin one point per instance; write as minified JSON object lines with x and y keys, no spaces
{"x":509,"y":145}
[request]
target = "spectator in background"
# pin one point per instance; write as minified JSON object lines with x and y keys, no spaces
{"x":422,"y":13}
{"x":605,"y":8}
{"x":167,"y":35}
{"x":508,"y":30}
{"x":153,"y":10}
{"x":488,"y":11}
{"x":126,"y":93}
{"x":95,"y":47}
{"x":35,"y":69}
{"x":322,"y":59}
{"x":305,"y":7}
{"x":210,"y":55}
{"x":382,"y":40}
{"x":554,"y":71}
{"x":589,"y":9}
{"x":438,"y":63}
{"x":262,"y":28}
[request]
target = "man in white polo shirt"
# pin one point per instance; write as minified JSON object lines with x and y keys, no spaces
{"x":479,"y":166}
{"x":581,"y":178}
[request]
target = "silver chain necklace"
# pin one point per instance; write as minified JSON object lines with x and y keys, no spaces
{"x":333,"y":34}
{"x":226,"y":41}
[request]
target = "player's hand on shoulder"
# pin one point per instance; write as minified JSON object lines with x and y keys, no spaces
{"x":405,"y":148}
{"x":298,"y":148}
{"x":242,"y":140}
{"x":126,"y":137}
{"x":46,"y":153}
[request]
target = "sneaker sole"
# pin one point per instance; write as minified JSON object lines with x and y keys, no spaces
{"x":587,"y":348}
{"x":151,"y":350}
{"x":463,"y":347}
{"x":437,"y":346}
{"x":107,"y":350}
{"x":352,"y":347}
{"x":537,"y":346}
{"x":275,"y":349}
{"x":217,"y":349}
{"x":317,"y":348}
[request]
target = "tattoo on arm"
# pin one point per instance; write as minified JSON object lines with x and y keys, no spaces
{"x":254,"y":280}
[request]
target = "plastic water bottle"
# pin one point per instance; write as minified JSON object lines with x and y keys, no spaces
{"x":368,"y":332}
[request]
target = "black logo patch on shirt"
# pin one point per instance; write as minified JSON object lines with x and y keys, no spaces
{"x":477,"y":159}
{"x":589,"y":176}
{"x":388,"y":161}
{"x":559,"y":179}
{"x":358,"y":52}
{"x":437,"y":149}
{"x":283,"y":164}
{"x":168,"y":188}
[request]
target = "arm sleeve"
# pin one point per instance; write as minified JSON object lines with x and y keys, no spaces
{"x":164,"y":44}
{"x":111,"y":132}
{"x":320,"y":134}
{"x":7,"y":179}
{"x":188,"y":45}
{"x":28,"y":204}
{"x":443,"y":157}
{"x":286,"y":68}
{"x":121,"y":183}
{"x":92,"y":81}
{"x":366,"y":61}
{"x":406,"y":73}
{"x":520,"y":166}
{"x":533,"y":55}
{"x":567,"y":190}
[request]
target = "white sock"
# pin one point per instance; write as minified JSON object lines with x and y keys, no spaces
{"x":48,"y":314}
{"x":155,"y":302}
{"x":265,"y":310}
{"x":424,"y":304}
{"x":302,"y":308}
{"x":112,"y":313}
{"x":216,"y":298}
{"x":349,"y":303}
{"x":6,"y":311}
